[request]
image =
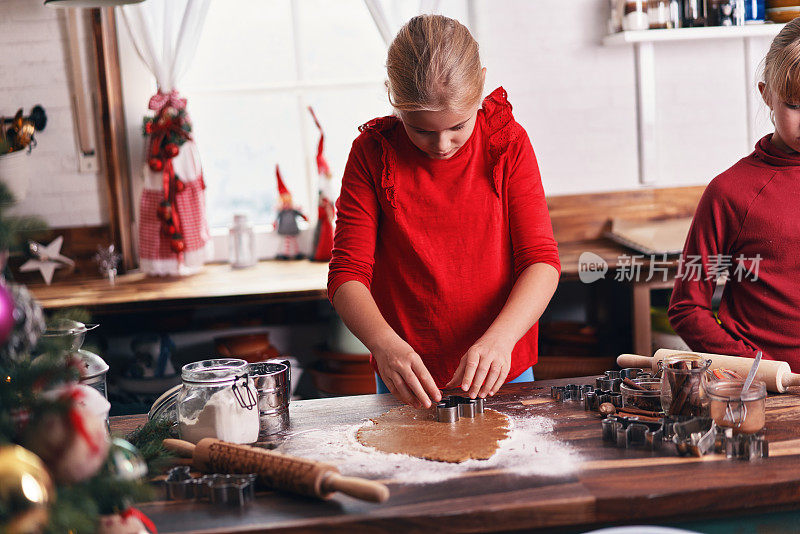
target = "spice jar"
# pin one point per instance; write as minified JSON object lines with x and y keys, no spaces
{"x":635,"y":17}
{"x":683,"y":385}
{"x":744,"y":412}
{"x":217,"y":400}
{"x":646,"y":396}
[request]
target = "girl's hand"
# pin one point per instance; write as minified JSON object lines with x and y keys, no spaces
{"x":405,"y":375}
{"x":484,"y":367}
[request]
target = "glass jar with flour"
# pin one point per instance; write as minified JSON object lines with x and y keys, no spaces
{"x":217,"y":400}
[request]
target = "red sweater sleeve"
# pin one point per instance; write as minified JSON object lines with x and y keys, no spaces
{"x":357,"y":212}
{"x":714,"y":229}
{"x":529,"y":221}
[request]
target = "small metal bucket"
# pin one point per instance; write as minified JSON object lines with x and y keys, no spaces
{"x":272,"y":380}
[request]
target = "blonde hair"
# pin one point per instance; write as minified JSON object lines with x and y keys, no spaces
{"x":433,"y":64}
{"x":782,"y":64}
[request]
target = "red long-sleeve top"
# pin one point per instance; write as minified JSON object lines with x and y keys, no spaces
{"x":440,"y":243}
{"x":747,"y":220}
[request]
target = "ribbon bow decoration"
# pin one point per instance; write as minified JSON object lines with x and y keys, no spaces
{"x":161,"y":100}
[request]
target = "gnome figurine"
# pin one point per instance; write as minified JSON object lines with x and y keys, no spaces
{"x":286,"y":223}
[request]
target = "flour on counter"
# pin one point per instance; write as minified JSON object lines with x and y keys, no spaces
{"x":529,"y":450}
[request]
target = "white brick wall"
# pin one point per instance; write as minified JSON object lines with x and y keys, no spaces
{"x":33,"y":70}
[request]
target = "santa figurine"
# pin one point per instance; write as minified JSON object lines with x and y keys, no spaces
{"x":286,"y":223}
{"x":323,"y":234}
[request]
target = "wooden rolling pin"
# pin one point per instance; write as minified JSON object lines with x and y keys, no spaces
{"x":777,"y":375}
{"x":275,"y":470}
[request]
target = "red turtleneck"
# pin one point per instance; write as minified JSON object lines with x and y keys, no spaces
{"x":439,"y":243}
{"x":748,"y":211}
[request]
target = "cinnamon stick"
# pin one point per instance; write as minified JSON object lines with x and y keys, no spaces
{"x":680,"y":392}
{"x":639,"y":411}
{"x":633,"y":385}
{"x":640,"y":417}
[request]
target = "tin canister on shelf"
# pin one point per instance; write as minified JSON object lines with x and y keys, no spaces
{"x":272,"y":380}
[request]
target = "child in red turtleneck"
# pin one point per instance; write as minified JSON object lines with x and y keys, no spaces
{"x":748,"y":224}
{"x":443,"y":257}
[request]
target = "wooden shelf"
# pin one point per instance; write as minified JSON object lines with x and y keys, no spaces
{"x":692,"y":34}
{"x":268,"y":281}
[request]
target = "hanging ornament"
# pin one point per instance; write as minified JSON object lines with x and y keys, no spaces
{"x":26,"y":488}
{"x":171,"y":150}
{"x":155,"y":164}
{"x":74,"y":445}
{"x":6,"y":313}
{"x":165,"y":210}
{"x":28,"y":325}
{"x":176,"y":243}
{"x":125,"y":462}
{"x":179,"y":185}
{"x":131,"y":521}
{"x":46,"y":259}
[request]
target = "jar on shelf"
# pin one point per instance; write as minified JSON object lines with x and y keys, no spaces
{"x":242,"y":243}
{"x":683,"y":381}
{"x":675,"y":14}
{"x":217,"y":400}
{"x":615,"y":13}
{"x":658,"y":14}
{"x":754,"y":11}
{"x":635,"y":16}
{"x":742,"y":411}
{"x":722,"y":13}
{"x":695,"y":13}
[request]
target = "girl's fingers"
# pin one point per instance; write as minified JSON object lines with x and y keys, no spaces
{"x":416,"y":388}
{"x":480,"y":376}
{"x":491,"y":378}
{"x":403,"y":393}
{"x":428,"y":384}
{"x":471,"y":360}
{"x":458,"y":375}
{"x":500,"y":379}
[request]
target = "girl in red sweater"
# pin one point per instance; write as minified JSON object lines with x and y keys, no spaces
{"x":443,"y":257}
{"x":747,"y":226}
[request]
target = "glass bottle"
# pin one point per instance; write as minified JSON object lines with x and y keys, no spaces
{"x":658,"y":14}
{"x":694,"y":13}
{"x":242,"y":243}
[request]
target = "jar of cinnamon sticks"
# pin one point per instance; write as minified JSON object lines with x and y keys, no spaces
{"x":683,"y":382}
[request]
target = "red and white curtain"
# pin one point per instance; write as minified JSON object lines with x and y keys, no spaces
{"x":165,"y":34}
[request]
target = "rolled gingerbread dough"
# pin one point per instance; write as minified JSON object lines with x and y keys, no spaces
{"x":406,"y":430}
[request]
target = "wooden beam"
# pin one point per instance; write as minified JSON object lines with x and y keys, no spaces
{"x":115,"y":152}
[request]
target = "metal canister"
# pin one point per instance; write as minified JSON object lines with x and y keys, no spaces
{"x":272,"y":379}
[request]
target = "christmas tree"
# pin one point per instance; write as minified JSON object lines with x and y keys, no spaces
{"x":60,"y":471}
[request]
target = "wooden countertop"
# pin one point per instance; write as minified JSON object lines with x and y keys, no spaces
{"x":268,"y":281}
{"x":609,"y":486}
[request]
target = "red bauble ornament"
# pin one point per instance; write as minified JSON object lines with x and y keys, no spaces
{"x":156,"y":164}
{"x":164,"y":210}
{"x":176,"y":244}
{"x":171,"y":150}
{"x":148,"y":128}
{"x":179,"y":186}
{"x":6,"y":313}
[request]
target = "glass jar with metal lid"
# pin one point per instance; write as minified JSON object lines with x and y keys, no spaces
{"x":743,"y":411}
{"x":217,"y":400}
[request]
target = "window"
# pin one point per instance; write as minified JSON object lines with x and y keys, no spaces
{"x":258,"y":66}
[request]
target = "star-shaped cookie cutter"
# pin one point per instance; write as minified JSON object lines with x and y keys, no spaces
{"x":454,"y":406}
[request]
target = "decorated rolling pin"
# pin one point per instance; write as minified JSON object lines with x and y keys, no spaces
{"x":275,"y":470}
{"x":777,"y":375}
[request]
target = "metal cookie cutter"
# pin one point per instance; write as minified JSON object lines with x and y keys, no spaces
{"x":181,"y":485}
{"x":630,"y":433}
{"x":235,"y":490}
{"x":695,"y":437}
{"x":218,"y":488}
{"x":454,"y":406}
{"x":744,"y":446}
